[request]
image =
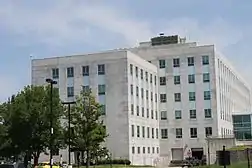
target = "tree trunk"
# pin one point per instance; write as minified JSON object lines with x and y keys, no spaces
{"x":88,"y":159}
{"x":82,"y":158}
{"x":36,"y":158}
{"x":26,"y":160}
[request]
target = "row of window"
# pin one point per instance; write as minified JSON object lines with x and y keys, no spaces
{"x":192,"y":114}
{"x":149,"y":113}
{"x":179,"y":132}
{"x":145,"y":150}
{"x":101,"y":90}
{"x":191,"y":79}
{"x":148,"y":76}
{"x":85,"y":71}
{"x":142,"y":93}
{"x":190,"y":62}
{"x":191,"y":96}
{"x":150,"y":132}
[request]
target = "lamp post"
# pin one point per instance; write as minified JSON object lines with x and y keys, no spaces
{"x":69,"y":131}
{"x":51,"y":82}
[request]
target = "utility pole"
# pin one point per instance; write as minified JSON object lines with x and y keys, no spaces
{"x":69,"y":131}
{"x":51,"y":82}
{"x":208,"y":151}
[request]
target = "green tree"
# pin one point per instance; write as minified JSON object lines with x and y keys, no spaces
{"x":28,"y":120}
{"x":88,"y":130}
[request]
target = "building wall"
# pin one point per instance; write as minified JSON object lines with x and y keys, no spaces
{"x":118,"y":118}
{"x":233,"y":95}
{"x":155,"y":54}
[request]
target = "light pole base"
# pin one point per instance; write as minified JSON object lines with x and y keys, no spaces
{"x":69,"y":166}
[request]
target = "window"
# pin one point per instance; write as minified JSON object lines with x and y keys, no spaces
{"x":178,"y":114}
{"x":132,"y":130}
{"x":142,"y":92}
{"x":176,"y":62}
{"x":147,"y":113}
{"x":148,"y":132}
{"x":191,"y":78}
{"x":133,"y":150}
{"x":132,"y":109}
{"x":192,"y":96}
{"x":156,"y":113}
{"x":147,"y":94}
{"x":85,"y":70}
{"x":208,"y":131}
{"x":101,"y":69}
{"x":151,"y":78}
{"x":156,"y":133}
{"x":151,"y":96}
{"x":70,"y":72}
{"x":143,"y":150}
{"x":85,"y":88}
{"x":190,"y":61}
{"x":142,"y":111}
{"x":178,"y":132}
{"x":155,"y":80}
{"x":192,"y":114}
{"x":162,"y":98}
{"x":131,"y":69}
{"x":141,"y":73}
{"x":136,"y":71}
{"x":152,"y":114}
{"x":207,"y":95}
{"x":208,"y":113}
{"x":152,"y":133}
{"x":177,"y":97}
{"x":205,"y":60}
{"x":163,"y":115}
{"x":138,"y":111}
{"x":138,"y":150}
{"x":55,"y":73}
{"x":148,"y":149}
{"x":138,"y":131}
{"x":176,"y":80}
{"x":153,"y":149}
{"x":157,"y":150}
{"x":161,"y":63}
{"x":193,"y":132}
{"x":70,"y":91}
{"x":155,"y":97}
{"x":143,"y":131}
{"x":206,"y":77}
{"x":162,"y":81}
{"x":137,"y":91}
{"x":131,"y":89}
{"x":146,"y":76}
{"x":164,"y":133}
{"x":103,"y":109}
{"x":101,"y":89}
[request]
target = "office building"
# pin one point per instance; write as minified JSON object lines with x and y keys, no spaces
{"x":191,"y":89}
{"x":125,"y":85}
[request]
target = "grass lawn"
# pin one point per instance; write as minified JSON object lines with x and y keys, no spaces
{"x":237,"y":165}
{"x":117,"y":166}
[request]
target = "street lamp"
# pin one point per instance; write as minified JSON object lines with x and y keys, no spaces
{"x":69,"y":132}
{"x":51,"y":82}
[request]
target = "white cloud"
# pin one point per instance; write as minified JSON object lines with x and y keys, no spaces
{"x":66,"y":21}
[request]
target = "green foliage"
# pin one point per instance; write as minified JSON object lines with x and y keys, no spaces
{"x":27,"y":120}
{"x":88,"y":131}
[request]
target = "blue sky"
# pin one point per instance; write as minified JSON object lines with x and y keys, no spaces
{"x":62,"y":27}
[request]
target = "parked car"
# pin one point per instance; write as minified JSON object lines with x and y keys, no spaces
{"x":46,"y":165}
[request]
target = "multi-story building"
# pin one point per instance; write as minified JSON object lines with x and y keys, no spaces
{"x":190,"y":89}
{"x":199,"y":90}
{"x":125,"y":85}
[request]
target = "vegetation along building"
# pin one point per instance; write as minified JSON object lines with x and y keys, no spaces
{"x":161,"y":99}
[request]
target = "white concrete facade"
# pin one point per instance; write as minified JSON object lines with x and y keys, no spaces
{"x":216,"y":92}
{"x":193,"y":93}
{"x":125,"y":109}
